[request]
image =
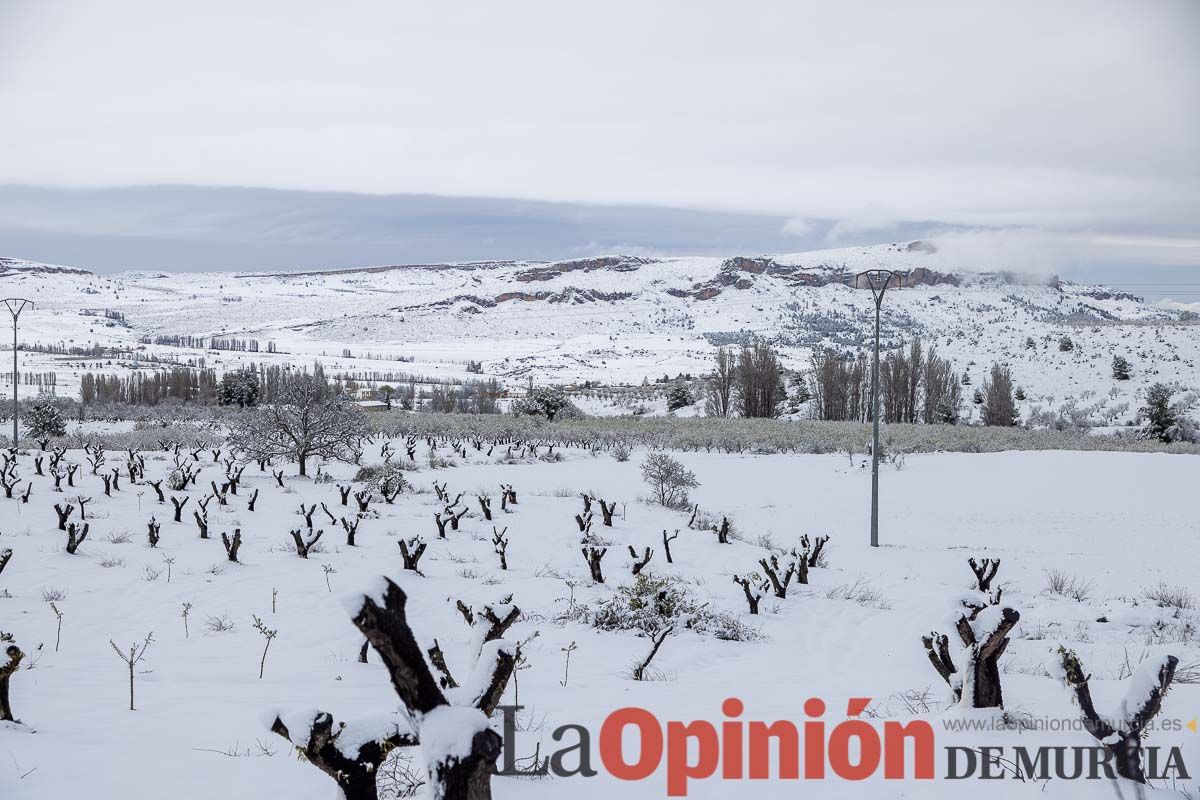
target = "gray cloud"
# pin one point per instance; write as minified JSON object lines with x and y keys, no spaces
{"x":1076,"y":120}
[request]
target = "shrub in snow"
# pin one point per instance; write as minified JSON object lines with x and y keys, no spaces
{"x":1165,"y":596}
{"x":383,"y":478}
{"x":651,"y":603}
{"x":1122,"y":732}
{"x":1065,"y":344}
{"x":1064,"y":584}
{"x":1120,"y":368}
{"x":669,"y":480}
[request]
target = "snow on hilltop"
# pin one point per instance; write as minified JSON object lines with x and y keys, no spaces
{"x":621,"y":318}
{"x":13,"y":266}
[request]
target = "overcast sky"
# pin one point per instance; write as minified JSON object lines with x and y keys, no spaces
{"x":1064,"y":127}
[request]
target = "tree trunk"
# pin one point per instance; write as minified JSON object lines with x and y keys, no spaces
{"x":471,"y":777}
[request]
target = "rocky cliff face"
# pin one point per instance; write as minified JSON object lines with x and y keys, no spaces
{"x":15,"y":266}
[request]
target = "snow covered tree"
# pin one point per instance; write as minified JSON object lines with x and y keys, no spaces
{"x":307,"y":419}
{"x":1120,"y":368}
{"x":983,"y":626}
{"x":239,"y":389}
{"x":1142,"y":703}
{"x":999,"y":408}
{"x":450,"y":723}
{"x":44,"y":419}
{"x":668,"y":479}
{"x":679,"y":397}
{"x":1162,"y":418}
{"x":1065,"y":344}
{"x":543,"y":401}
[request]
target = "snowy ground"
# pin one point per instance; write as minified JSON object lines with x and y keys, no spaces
{"x":1122,"y":523}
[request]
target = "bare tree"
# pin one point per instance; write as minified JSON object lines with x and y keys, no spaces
{"x":76,"y":535}
{"x":752,"y":597}
{"x":232,"y":544}
{"x":1144,"y":701}
{"x":303,"y":546}
{"x":984,"y":640}
{"x":668,"y":479}
{"x":999,"y":407}
{"x":307,"y":419}
{"x":656,"y":642}
{"x":411,"y":551}
{"x":7,"y":670}
{"x":132,"y":659}
{"x":759,"y":390}
{"x":462,"y":752}
{"x":719,"y":402}
{"x":593,"y":556}
{"x":666,"y":540}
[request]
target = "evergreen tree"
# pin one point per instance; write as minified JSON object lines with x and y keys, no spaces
{"x":239,"y":389}
{"x":1120,"y":368}
{"x":543,"y":401}
{"x":1162,"y":422}
{"x":1065,"y":344}
{"x":679,"y":397}
{"x":44,"y":419}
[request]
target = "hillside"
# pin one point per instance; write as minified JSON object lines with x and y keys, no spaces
{"x":577,"y":320}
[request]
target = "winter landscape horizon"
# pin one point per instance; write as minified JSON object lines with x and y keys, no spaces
{"x":679,"y":400}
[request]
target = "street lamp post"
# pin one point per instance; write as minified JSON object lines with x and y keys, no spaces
{"x":878,"y":281}
{"x":15,"y":306}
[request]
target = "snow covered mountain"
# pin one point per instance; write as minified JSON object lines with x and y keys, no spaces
{"x":617,"y":318}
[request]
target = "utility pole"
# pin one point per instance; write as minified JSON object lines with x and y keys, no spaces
{"x":15,"y":306}
{"x":877,"y":281}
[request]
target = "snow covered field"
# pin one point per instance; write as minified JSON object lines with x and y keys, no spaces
{"x":1121,"y":524}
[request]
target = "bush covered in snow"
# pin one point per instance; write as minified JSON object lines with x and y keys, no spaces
{"x":378,"y":476}
{"x":45,"y":419}
{"x":650,"y":603}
